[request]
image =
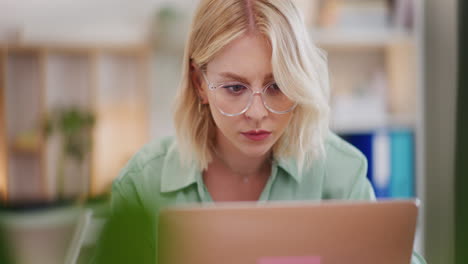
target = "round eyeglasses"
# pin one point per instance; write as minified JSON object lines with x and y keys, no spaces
{"x":235,"y":98}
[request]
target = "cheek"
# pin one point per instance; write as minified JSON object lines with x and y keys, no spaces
{"x":283,"y":121}
{"x":224,"y":123}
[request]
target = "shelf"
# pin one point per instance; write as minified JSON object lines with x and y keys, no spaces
{"x":36,"y":151}
{"x":36,"y":79}
{"x":23,"y":95}
{"x":357,"y":38}
{"x":363,"y":126}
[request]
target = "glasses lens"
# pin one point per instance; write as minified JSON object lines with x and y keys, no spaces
{"x":277,"y":100}
{"x":232,"y":98}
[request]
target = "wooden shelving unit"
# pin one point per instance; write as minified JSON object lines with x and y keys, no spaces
{"x":358,"y":39}
{"x":352,"y":60}
{"x":110,"y":81}
{"x":24,"y":107}
{"x":363,"y":57}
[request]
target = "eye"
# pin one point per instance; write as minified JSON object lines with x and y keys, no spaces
{"x":234,"y":88}
{"x":273,"y":89}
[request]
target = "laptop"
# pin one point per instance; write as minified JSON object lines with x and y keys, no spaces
{"x":288,"y":233}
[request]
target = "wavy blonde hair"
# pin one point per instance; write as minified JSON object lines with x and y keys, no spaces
{"x":299,"y":68}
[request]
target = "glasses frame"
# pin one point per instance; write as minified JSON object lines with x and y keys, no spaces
{"x":212,"y":87}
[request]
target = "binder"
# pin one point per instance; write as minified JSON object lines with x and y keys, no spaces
{"x":363,"y":142}
{"x":390,"y":156}
{"x":402,"y":165}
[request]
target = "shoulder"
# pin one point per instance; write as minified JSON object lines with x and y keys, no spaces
{"x":140,"y":178}
{"x":339,"y":174}
{"x":139,"y":182}
{"x":340,"y":153}
{"x":345,"y":170}
{"x":149,"y":156}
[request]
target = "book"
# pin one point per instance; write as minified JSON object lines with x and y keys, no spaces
{"x":402,"y":184}
{"x":390,"y":157}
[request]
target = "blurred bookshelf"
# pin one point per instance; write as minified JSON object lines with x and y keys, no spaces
{"x":108,"y":81}
{"x":349,"y":38}
{"x":374,"y":50}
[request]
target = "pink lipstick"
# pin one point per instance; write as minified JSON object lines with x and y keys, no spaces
{"x":256,"y":135}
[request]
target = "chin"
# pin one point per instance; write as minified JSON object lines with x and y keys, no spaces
{"x":256,"y":151}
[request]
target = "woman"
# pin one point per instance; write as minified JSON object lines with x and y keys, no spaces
{"x":251,"y":118}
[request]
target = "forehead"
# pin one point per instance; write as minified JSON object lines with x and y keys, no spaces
{"x":248,"y":56}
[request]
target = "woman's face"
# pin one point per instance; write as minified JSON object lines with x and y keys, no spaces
{"x":246,"y":60}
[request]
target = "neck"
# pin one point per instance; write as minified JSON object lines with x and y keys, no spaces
{"x":236,"y":163}
{"x":241,"y":165}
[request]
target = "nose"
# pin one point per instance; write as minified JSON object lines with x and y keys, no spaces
{"x":257,"y":110}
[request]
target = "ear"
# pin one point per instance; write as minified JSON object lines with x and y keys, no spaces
{"x":198,"y":81}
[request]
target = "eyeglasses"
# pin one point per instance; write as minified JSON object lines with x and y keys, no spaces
{"x":235,"y":98}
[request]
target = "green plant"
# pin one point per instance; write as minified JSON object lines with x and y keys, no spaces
{"x":74,"y":127}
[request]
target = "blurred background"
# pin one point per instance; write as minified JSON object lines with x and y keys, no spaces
{"x":84,"y":84}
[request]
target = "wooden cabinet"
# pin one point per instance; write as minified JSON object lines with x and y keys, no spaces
{"x":23,"y":110}
{"x":111,"y":82}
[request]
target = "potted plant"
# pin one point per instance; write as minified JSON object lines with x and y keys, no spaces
{"x":73,"y":126}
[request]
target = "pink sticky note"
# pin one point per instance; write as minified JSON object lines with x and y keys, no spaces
{"x":289,"y":260}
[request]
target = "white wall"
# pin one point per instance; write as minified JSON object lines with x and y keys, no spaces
{"x":103,"y":20}
{"x":166,"y":76}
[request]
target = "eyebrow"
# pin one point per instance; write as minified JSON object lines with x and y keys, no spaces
{"x":233,"y":76}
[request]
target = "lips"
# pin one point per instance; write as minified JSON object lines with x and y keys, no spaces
{"x":257,"y":135}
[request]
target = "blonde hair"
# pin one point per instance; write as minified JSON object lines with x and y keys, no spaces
{"x":299,"y":68}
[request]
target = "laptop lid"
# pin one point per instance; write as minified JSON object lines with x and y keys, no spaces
{"x":289,"y":233}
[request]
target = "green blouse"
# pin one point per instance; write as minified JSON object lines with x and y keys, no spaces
{"x":154,"y":177}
